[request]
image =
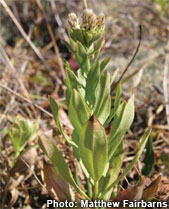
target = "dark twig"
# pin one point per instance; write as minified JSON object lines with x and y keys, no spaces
{"x":132,"y":59}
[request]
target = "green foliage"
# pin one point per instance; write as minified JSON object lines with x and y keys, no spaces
{"x":93,"y":148}
{"x":132,"y":163}
{"x":88,"y":96}
{"x":103,"y":99}
{"x":122,"y":122}
{"x":77,"y":118}
{"x":20,"y":133}
{"x":59,"y":163}
{"x":148,"y":159}
{"x":164,"y":5}
{"x":82,"y":57}
{"x":40,"y":79}
{"x":92,"y":83}
{"x":116,"y":105}
{"x":55,"y":113}
{"x":115,"y":164}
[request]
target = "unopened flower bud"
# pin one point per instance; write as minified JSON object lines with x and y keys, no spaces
{"x":100,"y":20}
{"x":72,"y":20}
{"x":88,"y":19}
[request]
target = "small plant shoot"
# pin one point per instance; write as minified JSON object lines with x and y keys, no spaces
{"x":99,"y":152}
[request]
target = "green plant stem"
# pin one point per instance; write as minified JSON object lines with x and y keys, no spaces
{"x":85,"y":4}
{"x":96,"y":190}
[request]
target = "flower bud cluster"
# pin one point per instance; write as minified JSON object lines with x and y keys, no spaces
{"x":89,"y":29}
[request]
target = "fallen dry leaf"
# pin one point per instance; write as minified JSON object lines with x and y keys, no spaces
{"x":151,"y":190}
{"x":27,"y":159}
{"x":133,"y":193}
{"x":55,"y":184}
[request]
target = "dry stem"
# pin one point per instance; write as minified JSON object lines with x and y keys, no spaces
{"x":85,"y":3}
{"x":165,"y":82}
{"x":59,"y":59}
{"x":10,"y":13}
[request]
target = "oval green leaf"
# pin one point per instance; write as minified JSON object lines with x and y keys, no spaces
{"x":93,"y":148}
{"x":78,"y":113}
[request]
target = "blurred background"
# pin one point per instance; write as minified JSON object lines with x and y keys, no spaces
{"x":32,"y":35}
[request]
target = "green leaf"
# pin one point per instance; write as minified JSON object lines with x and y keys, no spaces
{"x":115,"y":164}
{"x":143,"y":142}
{"x":76,"y":176}
{"x":68,"y":45}
{"x":20,"y":133}
{"x":59,"y":163}
{"x":93,"y":148}
{"x":75,"y":138}
{"x":124,"y":118}
{"x":71,"y":83}
{"x":116,"y":105}
{"x":81,"y":52}
{"x":55,"y":112}
{"x":15,"y":136}
{"x":98,"y":46}
{"x":103,"y":100}
{"x":81,"y":77}
{"x":78,"y":113}
{"x":82,"y":57}
{"x":116,"y":71}
{"x":148,"y":159}
{"x":92,"y":82}
{"x":89,"y":188}
{"x":77,"y":36}
{"x":122,"y":122}
{"x":104,"y":64}
{"x":132,"y":163}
